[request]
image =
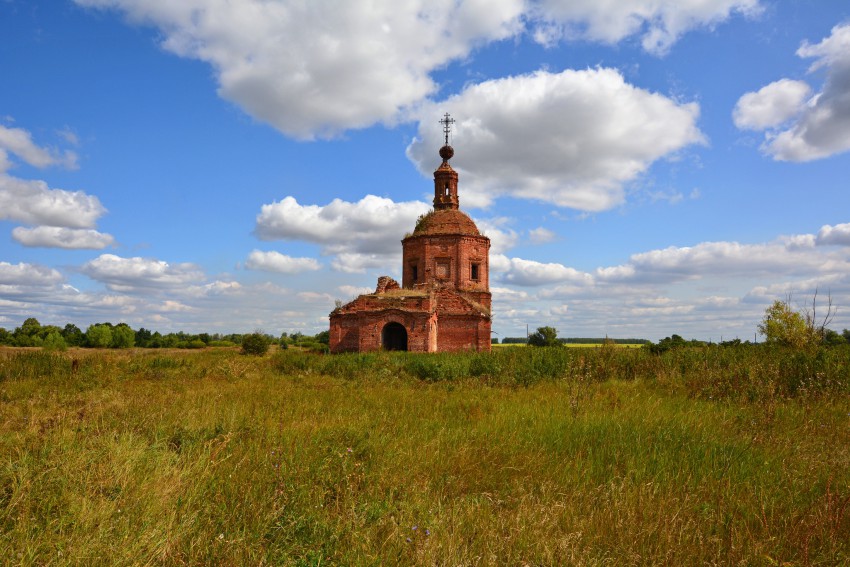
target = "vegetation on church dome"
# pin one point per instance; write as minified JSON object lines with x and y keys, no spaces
{"x":422,"y":219}
{"x":404,"y":292}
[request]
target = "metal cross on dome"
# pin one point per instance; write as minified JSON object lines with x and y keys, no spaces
{"x":447,"y":122}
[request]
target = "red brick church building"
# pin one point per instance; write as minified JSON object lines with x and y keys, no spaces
{"x":443,"y":302}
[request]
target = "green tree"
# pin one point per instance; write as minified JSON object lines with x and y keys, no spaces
{"x":73,"y":335}
{"x":47,"y":329}
{"x":143,"y":338}
{"x":99,"y":336}
{"x":123,"y":336}
{"x":27,"y":334}
{"x":833,"y":338}
{"x":783,"y":325}
{"x":30,"y":327}
{"x":54,"y":341}
{"x":256,"y":343}
{"x":544,"y":337}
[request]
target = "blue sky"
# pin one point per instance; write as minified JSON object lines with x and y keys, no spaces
{"x":642,"y":167}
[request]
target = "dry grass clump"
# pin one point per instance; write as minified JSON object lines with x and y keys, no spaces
{"x":403,"y":292}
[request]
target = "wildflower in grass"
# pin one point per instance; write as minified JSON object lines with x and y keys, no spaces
{"x":427,"y":532}
{"x":414,"y":528}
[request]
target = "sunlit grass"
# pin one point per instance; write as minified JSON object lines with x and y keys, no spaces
{"x":574,"y":345}
{"x":216,"y":458}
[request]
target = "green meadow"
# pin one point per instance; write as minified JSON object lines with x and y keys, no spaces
{"x":523,"y":456}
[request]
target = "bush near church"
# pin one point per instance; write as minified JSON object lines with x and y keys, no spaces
{"x":544,"y":337}
{"x":255,"y":343}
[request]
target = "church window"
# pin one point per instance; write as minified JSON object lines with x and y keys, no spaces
{"x":473,"y":272}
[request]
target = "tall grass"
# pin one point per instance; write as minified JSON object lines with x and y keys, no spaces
{"x":523,"y":456}
{"x":712,"y":372}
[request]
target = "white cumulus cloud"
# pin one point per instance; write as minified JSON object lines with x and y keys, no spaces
{"x":541,"y":235}
{"x":531,"y":273}
{"x":354,"y":291}
{"x":360,"y":235}
{"x":821,"y":127}
{"x":771,"y":105}
{"x":60,"y":237}
{"x":318,"y":68}
{"x":658,"y":23}
{"x":19,"y":142}
{"x":838,"y":234}
{"x":784,"y":257}
{"x":132,"y":274}
{"x":573,"y":138}
{"x":33,"y":202}
{"x":65,"y":219}
{"x":273,"y":261}
{"x":171,"y":306}
{"x":23,"y":274}
{"x":501,"y":238}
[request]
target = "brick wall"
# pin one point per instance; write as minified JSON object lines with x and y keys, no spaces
{"x":425,"y":252}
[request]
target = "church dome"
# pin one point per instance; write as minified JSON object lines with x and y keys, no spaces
{"x":446,"y":221}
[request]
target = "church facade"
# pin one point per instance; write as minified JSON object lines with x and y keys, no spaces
{"x":443,"y":301}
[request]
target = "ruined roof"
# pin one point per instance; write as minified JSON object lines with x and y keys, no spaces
{"x":445,"y":221}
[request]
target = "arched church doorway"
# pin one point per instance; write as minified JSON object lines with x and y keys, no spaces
{"x":394,"y":337}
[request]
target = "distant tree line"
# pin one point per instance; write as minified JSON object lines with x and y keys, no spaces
{"x":106,"y":335}
{"x":783,"y":325}
{"x":579,"y":341}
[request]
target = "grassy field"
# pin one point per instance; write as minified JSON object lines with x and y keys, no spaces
{"x":572,"y":345}
{"x":606,"y":456}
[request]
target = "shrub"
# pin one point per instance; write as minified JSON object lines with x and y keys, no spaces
{"x":255,"y":343}
{"x":484,"y":364}
{"x":99,"y":336}
{"x":544,"y":337}
{"x":312,"y":346}
{"x":784,"y":326}
{"x":292,"y":362}
{"x":54,"y":341}
{"x":123,"y":336}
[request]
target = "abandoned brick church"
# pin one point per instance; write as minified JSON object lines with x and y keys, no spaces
{"x":443,"y":302}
